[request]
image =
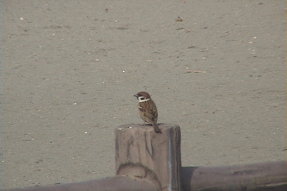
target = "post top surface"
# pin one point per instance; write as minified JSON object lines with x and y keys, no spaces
{"x":146,"y":126}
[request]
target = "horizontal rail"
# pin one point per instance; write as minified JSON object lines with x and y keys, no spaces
{"x":115,"y":183}
{"x":269,"y":176}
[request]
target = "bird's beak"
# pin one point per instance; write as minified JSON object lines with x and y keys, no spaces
{"x":136,"y":95}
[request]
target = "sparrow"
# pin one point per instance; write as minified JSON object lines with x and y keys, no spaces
{"x":147,"y":110}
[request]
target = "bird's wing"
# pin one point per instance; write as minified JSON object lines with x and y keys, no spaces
{"x":153,"y":112}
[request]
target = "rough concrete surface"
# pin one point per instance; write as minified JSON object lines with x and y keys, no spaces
{"x":69,"y":69}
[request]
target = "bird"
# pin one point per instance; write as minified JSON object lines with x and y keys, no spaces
{"x":147,"y":109}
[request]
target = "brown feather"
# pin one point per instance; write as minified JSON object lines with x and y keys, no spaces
{"x":148,"y":113}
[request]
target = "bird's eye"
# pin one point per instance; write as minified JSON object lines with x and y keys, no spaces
{"x":141,"y":98}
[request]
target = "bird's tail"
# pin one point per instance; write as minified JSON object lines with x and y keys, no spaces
{"x":156,"y":128}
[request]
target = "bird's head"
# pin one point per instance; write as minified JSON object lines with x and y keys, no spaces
{"x":142,"y":96}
